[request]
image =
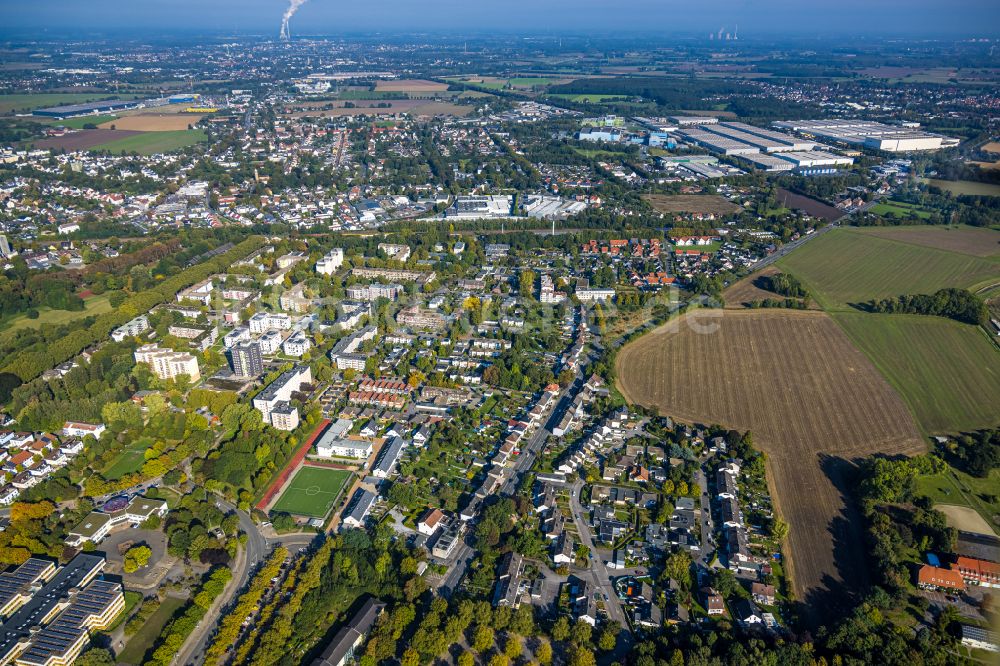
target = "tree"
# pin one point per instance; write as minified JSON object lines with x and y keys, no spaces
{"x":779,"y":530}
{"x":512,"y":648}
{"x":136,"y":558}
{"x":543,"y":653}
{"x":483,"y":639}
{"x":581,"y":656}
{"x":581,"y":633}
{"x":560,"y":630}
{"x":609,"y":636}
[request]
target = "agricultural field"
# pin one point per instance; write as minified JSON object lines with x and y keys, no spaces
{"x":814,"y":404}
{"x":846,"y":266}
{"x":900,"y":209}
{"x":738,"y":295}
{"x":84,"y":139}
{"x":79,"y":122}
{"x":691,"y":203}
{"x":969,"y":187}
{"x":948,"y":372}
{"x":151,"y":143}
{"x":153,"y":122}
{"x":392,"y":107}
{"x":977,"y":241}
{"x":92,"y":305}
{"x":811,"y":206}
{"x":410,"y":85}
{"x":29,"y":102}
{"x":312,"y":491}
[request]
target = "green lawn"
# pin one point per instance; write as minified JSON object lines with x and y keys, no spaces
{"x":900,"y":209}
{"x":29,"y":102}
{"x":956,"y":487}
{"x":846,"y":266}
{"x":130,"y":460}
{"x":948,"y":373}
{"x":142,"y":640}
{"x":94,"y":305}
{"x":151,"y":143}
{"x":312,"y":492}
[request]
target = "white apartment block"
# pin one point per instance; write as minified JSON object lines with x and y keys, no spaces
{"x":269,"y":342}
{"x":330,"y":262}
{"x":130,"y":329}
{"x":168,"y":364}
{"x":280,"y":390}
{"x":269,"y":321}
{"x":297,"y":344}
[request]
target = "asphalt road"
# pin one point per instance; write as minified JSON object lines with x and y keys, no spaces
{"x":246,"y":563}
{"x":598,"y":573}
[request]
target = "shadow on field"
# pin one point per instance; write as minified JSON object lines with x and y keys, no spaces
{"x":830,"y":603}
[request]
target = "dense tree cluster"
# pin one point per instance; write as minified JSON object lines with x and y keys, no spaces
{"x":958,"y":304}
{"x":976,"y":453}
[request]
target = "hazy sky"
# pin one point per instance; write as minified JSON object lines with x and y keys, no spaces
{"x":914,"y":17}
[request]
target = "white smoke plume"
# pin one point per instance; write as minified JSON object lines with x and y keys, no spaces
{"x":293,"y":6}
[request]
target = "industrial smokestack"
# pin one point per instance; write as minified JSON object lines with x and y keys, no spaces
{"x":293,"y":6}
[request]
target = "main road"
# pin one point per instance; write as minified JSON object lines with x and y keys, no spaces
{"x":192,"y":652}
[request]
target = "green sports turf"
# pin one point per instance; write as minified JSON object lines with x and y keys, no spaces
{"x":312,"y":492}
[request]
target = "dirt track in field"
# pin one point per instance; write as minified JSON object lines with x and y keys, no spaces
{"x":814,"y":404}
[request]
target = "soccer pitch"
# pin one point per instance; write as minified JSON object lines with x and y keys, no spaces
{"x":312,"y":492}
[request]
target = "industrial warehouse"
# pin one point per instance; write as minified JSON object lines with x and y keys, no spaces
{"x":764,"y":149}
{"x":868,"y":134}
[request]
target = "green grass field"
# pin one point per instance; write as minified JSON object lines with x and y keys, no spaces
{"x":900,"y":209}
{"x":312,"y":492}
{"x":130,"y":460}
{"x":29,"y":102}
{"x":151,"y":143}
{"x":956,"y":487}
{"x":143,"y":639}
{"x":93,"y":305}
{"x":948,"y":373}
{"x":846,"y":266}
{"x":530,"y":81}
{"x":590,"y":98}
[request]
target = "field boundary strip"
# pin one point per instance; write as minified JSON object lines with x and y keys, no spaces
{"x":274,"y":489}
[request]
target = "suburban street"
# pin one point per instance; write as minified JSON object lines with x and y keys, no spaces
{"x":598,"y":570}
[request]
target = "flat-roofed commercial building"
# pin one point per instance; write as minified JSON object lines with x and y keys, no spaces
{"x":52,"y":626}
{"x":869,"y":134}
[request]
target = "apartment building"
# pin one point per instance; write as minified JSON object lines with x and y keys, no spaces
{"x":168,"y":364}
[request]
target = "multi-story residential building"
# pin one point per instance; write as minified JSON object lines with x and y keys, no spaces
{"x":330,"y":262}
{"x":297,"y":344}
{"x":281,"y":390}
{"x":269,"y":321}
{"x":168,"y":364}
{"x":547,"y":292}
{"x":236,"y":336}
{"x":269,"y":342}
{"x":417,"y":317}
{"x":295,"y":299}
{"x":374,"y":291}
{"x":246,"y":359}
{"x":345,"y":353}
{"x":284,"y":416}
{"x":131,"y":328}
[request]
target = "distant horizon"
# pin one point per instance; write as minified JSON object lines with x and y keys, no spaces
{"x":917,"y":19}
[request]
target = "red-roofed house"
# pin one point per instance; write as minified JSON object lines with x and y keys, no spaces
{"x":936,"y":577}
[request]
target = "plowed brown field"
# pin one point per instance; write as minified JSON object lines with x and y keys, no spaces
{"x":813,"y":402}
